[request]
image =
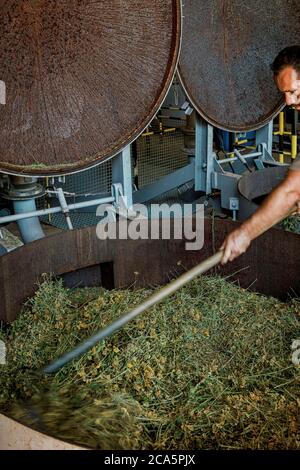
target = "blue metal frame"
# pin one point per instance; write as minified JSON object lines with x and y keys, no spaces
{"x":208,"y":172}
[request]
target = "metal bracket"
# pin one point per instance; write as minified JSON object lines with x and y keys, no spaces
{"x":117,"y":193}
{"x":204,"y":161}
{"x":187,"y":108}
{"x":60,"y":179}
{"x":122,"y":173}
{"x":265,"y":154}
{"x":64,"y":207}
{"x":234,"y":205}
{"x":121,"y":202}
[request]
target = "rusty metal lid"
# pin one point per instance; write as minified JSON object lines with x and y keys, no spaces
{"x":227,"y":49}
{"x":83,"y":78}
{"x":262,"y":182}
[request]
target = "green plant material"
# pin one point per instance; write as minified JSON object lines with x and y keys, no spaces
{"x":210,"y":367}
{"x":291,"y":223}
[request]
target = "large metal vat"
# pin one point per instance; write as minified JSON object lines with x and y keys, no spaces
{"x":270,"y":266}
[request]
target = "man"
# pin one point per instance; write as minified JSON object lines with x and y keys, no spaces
{"x":286,"y":197}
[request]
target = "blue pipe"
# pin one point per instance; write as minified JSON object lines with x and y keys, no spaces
{"x":30,"y":228}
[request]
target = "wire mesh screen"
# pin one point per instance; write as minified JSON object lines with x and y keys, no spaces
{"x":156,"y":156}
{"x":95,"y":181}
{"x":89,"y":184}
{"x":159,"y":155}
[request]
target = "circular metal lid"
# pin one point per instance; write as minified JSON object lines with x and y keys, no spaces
{"x":227,"y":49}
{"x":83,"y":78}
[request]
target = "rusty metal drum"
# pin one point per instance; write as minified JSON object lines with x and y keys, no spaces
{"x":227,"y":49}
{"x":82,"y":78}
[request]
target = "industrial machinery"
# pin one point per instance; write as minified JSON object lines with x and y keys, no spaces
{"x":226,"y":75}
{"x":83,"y":80}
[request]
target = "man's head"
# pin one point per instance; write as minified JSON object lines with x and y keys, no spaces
{"x":286,"y":68}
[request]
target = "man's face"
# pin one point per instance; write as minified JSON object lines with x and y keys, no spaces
{"x":288,"y":82}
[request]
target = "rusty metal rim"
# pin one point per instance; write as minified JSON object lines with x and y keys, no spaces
{"x":94,"y":161}
{"x":116,"y":261}
{"x":275,"y":111}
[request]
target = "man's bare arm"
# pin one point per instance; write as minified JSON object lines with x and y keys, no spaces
{"x":279,"y":204}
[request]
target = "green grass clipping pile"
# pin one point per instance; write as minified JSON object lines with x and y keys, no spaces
{"x":209,"y":368}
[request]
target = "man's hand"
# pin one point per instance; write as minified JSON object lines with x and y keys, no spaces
{"x":280,"y":203}
{"x":235,"y":244}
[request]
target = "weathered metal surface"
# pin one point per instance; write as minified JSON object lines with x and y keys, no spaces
{"x":83,"y":78}
{"x":262,"y":182}
{"x":228,"y":46}
{"x":146,"y":262}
